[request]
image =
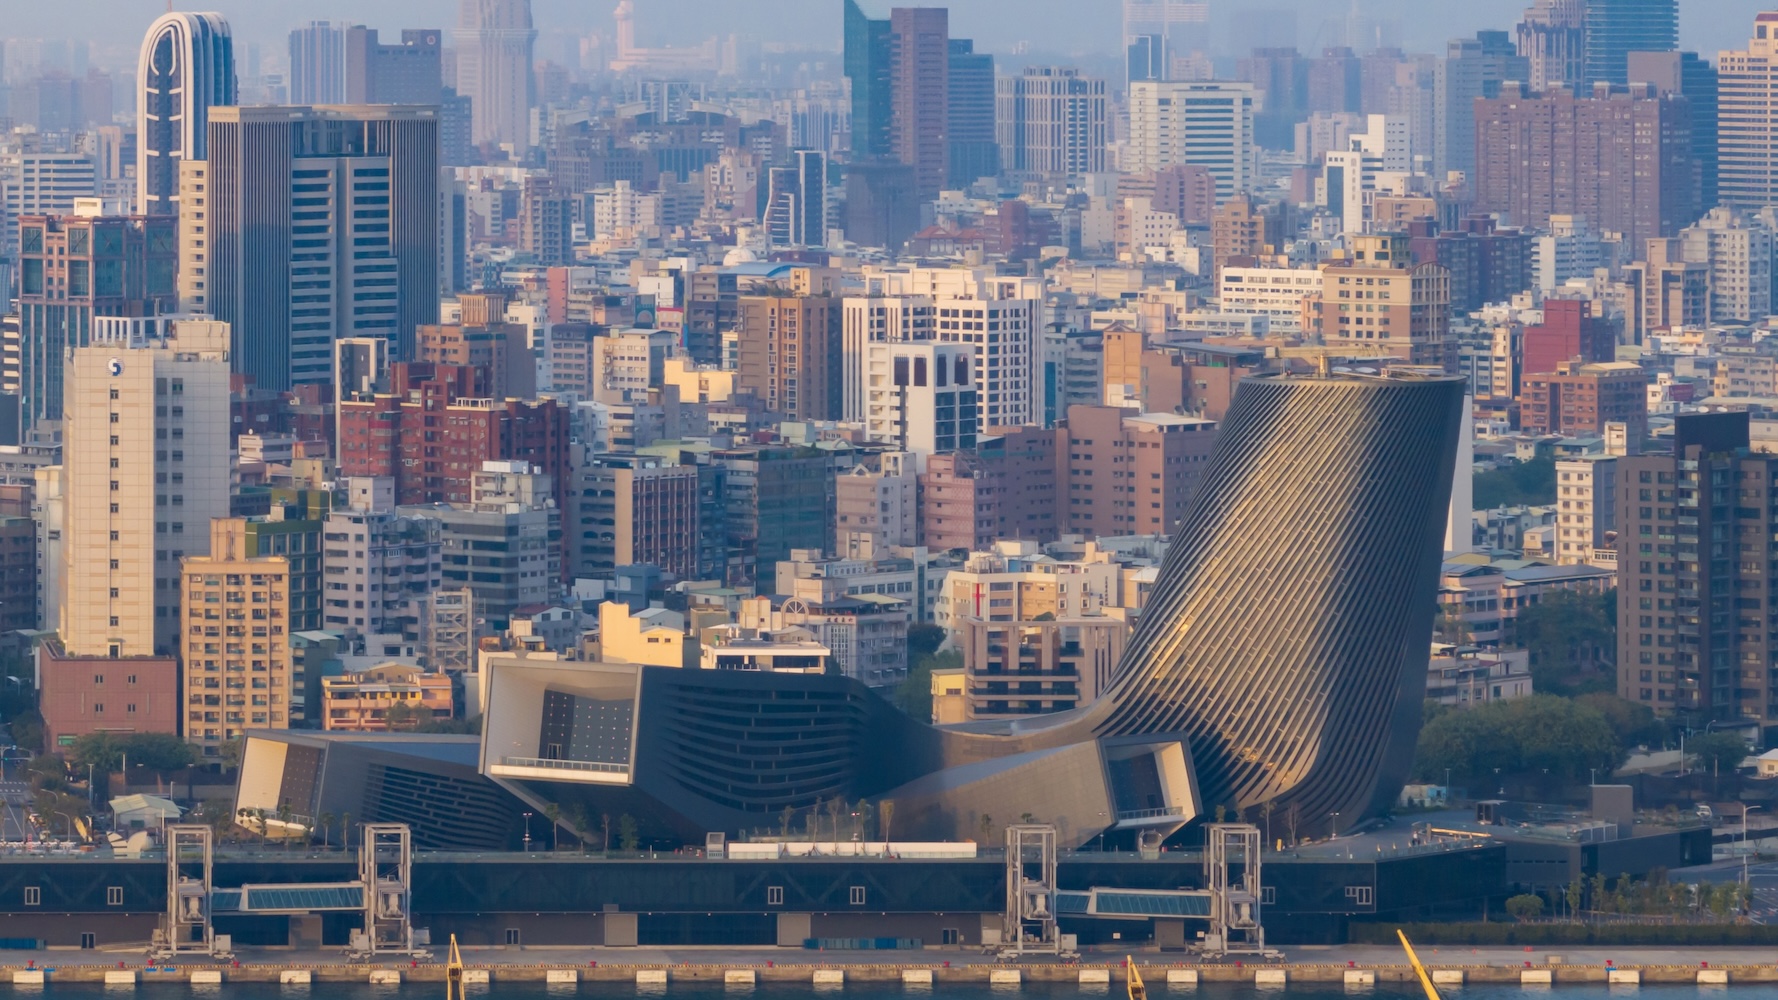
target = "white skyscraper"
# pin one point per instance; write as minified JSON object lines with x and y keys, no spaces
{"x":877,"y":319}
{"x":494,"y":53}
{"x":187,"y":67}
{"x":1209,"y":124}
{"x":922,"y":396}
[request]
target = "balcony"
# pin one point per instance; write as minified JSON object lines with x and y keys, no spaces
{"x":547,"y":769}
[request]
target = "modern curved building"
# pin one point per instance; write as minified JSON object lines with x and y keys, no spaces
{"x":1281,"y":659}
{"x":186,"y":68}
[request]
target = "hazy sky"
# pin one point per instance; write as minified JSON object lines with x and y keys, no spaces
{"x":1057,"y":26}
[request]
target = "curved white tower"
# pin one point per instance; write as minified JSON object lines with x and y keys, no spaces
{"x":187,"y":67}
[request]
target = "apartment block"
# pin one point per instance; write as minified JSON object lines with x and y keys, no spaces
{"x":236,"y":642}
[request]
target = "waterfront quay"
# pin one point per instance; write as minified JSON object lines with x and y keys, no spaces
{"x":935,"y":967}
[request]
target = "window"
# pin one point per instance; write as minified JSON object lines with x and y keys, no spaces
{"x":1268,"y":894}
{"x":114,"y":895}
{"x":33,"y":895}
{"x":858,"y":895}
{"x":1360,"y":895}
{"x":512,"y":936}
{"x":774,"y":895}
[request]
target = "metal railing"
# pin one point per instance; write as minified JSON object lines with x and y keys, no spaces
{"x":566,"y":765}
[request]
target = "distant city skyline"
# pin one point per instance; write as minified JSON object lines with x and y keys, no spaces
{"x":1068,"y":28}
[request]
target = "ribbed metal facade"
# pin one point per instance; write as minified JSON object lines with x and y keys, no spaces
{"x":1288,"y":633}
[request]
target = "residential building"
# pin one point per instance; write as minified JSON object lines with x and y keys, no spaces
{"x":1378,"y":299}
{"x":1246,"y":228}
{"x":784,"y":650}
{"x":791,"y":355}
{"x":1569,"y":250}
{"x":1277,"y":293}
{"x":626,"y":364}
{"x":1016,"y":581}
{"x":1552,"y":39}
{"x":1472,"y":69}
{"x":501,"y":349}
{"x":1739,"y":254}
{"x":42,"y":182}
{"x":362,"y":701}
{"x":78,"y":695}
{"x":1013,"y":669}
{"x":1130,"y":473}
{"x":348,"y":199}
{"x":1465,"y":677}
{"x":1569,"y":332}
{"x":1586,"y":510}
{"x":919,"y":94}
{"x":775,"y":500}
{"x":1003,"y":331}
{"x":1580,"y":399}
{"x":652,"y":636}
{"x":626,"y":510}
{"x":378,"y":566}
{"x":236,"y":642}
{"x":1621,"y":156}
{"x":1691,"y":563}
{"x":1695,"y":79}
{"x":505,"y":545}
{"x":877,"y":319}
{"x":876,"y":507}
{"x":145,"y":459}
{"x":921,"y":396}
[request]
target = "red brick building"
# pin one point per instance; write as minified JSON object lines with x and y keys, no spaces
{"x":1569,"y":332}
{"x":432,"y":433}
{"x":1578,"y":400}
{"x":98,"y":694}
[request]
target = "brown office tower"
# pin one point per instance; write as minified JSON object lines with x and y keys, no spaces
{"x":1621,"y":156}
{"x":920,"y":81}
{"x":1695,"y":581}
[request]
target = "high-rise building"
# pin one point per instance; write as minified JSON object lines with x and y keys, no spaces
{"x":1695,"y":79}
{"x":1569,"y":331}
{"x":1616,"y":28}
{"x":146,"y":467}
{"x":1586,"y":508}
{"x":1622,"y":157}
{"x":379,"y":567}
{"x":505,"y":545}
{"x":1052,"y":122}
{"x":73,"y":269}
{"x":1129,"y":473}
{"x":920,"y":89}
{"x":235,"y":643}
{"x":1004,"y":331}
{"x":868,"y":66}
{"x":41,"y":183}
{"x":628,"y":510}
{"x":1472,"y":68}
{"x":1695,"y":551}
{"x":791,"y":354}
{"x":1206,"y":123}
{"x":1747,"y":126}
{"x":407,"y":72}
{"x":974,"y":150}
{"x":495,"y":40}
{"x":882,"y":204}
{"x":921,"y":396}
{"x":1243,"y":227}
{"x":1379,"y":299}
{"x":1740,"y":254}
{"x":1552,"y":39}
{"x":1154,"y":30}
{"x":796,"y":201}
{"x":187,"y":67}
{"x":323,"y":225}
{"x":878,"y":319}
{"x":318,"y":63}
{"x":1280,"y":76}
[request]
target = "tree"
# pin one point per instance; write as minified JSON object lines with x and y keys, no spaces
{"x":284,"y":822}
{"x":1266,"y":809}
{"x":1572,"y":639}
{"x":835,"y":806}
{"x":27,"y":730}
{"x":1634,"y":724}
{"x":924,"y":638}
{"x":914,"y":696}
{"x":553,"y":813}
{"x":605,"y":825}
{"x":784,"y":820}
{"x":1292,"y":817}
{"x":346,"y":830}
{"x":626,"y":832}
{"x":987,"y":829}
{"x":326,"y":821}
{"x":887,"y":810}
{"x":403,"y":717}
{"x":1532,"y":482}
{"x":1572,"y":895}
{"x":1525,"y":906}
{"x":1515,"y":736}
{"x":1716,"y":752}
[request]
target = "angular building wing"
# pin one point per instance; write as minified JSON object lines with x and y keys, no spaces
{"x":1281,"y":659}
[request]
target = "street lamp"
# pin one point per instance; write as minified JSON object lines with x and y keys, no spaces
{"x":1101,"y":833}
{"x":527,"y":833}
{"x":1336,"y":826}
{"x":1745,"y":809}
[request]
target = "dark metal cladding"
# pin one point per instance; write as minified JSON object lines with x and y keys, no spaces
{"x":1288,"y":633}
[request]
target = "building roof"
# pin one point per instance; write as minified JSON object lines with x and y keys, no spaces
{"x":153,"y":805}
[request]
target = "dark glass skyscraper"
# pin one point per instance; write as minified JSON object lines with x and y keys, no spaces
{"x":1616,"y":28}
{"x":867,"y":64}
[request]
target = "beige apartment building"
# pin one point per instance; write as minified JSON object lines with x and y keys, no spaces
{"x":1378,"y":300}
{"x":361,"y":702}
{"x":236,"y":643}
{"x":1014,"y":668}
{"x":146,"y":468}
